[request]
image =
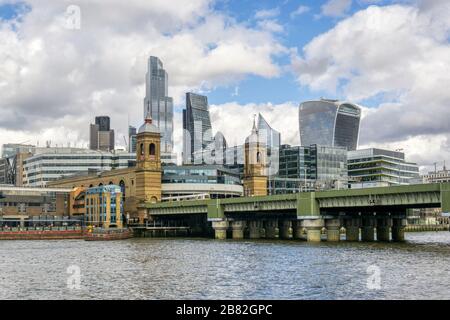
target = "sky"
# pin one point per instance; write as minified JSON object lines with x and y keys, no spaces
{"x":64,"y":62}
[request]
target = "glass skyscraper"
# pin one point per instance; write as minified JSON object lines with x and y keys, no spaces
{"x":132,"y":139}
{"x":310,"y":168}
{"x":197,"y":130}
{"x":329,"y":123}
{"x":158,"y":104}
{"x":272,"y":139}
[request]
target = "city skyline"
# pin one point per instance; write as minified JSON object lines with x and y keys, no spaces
{"x":223,"y":156}
{"x":271,"y":45}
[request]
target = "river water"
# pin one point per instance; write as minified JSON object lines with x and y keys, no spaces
{"x":209,"y":269}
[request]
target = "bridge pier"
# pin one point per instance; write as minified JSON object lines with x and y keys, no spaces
{"x":286,"y":229}
{"x":313,"y":229}
{"x":352,"y":229}
{"x":220,"y":229}
{"x":254,"y":227}
{"x":297,"y":230}
{"x":333,"y":229}
{"x":272,"y":230}
{"x":398,"y":229}
{"x":237,"y":228}
{"x":383,"y":229}
{"x":368,"y":229}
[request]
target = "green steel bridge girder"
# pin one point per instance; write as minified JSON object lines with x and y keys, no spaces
{"x":309,"y":204}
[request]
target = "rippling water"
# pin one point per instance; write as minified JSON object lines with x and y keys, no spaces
{"x":209,"y":269}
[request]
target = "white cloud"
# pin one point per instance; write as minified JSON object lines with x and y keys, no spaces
{"x":399,"y":55}
{"x":267,"y":13}
{"x":270,"y":25}
{"x":299,"y":11}
{"x":336,"y":8}
{"x":235,"y":120}
{"x":52,"y":77}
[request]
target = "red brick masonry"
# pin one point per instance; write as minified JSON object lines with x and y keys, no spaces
{"x":41,"y":235}
{"x":120,"y":234}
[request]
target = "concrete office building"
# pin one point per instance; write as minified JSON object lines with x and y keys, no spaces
{"x":41,"y":205}
{"x":51,"y":164}
{"x":101,"y":135}
{"x":380,"y":168}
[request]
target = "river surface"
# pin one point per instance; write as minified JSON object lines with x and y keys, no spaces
{"x":209,"y":269}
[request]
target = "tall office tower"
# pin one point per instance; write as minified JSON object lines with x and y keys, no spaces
{"x":329,"y":123}
{"x":132,"y":133}
{"x":220,"y":147}
{"x":272,"y":139}
{"x":101,"y":135}
{"x":197,"y":131}
{"x":157,"y":104}
{"x":103,"y":122}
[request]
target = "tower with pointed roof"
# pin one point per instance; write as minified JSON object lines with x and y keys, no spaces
{"x":255,"y":175}
{"x":148,"y":162}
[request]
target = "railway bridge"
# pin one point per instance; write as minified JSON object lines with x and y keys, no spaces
{"x":366,"y":214}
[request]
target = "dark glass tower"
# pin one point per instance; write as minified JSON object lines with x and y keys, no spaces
{"x":103,"y":122}
{"x":132,"y":136}
{"x":197,"y":131}
{"x":329,"y":123}
{"x":157,"y":103}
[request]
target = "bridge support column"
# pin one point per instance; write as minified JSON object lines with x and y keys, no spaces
{"x":313,"y":229}
{"x":368,"y":229}
{"x":333,"y":229}
{"x":237,"y":228}
{"x":352,"y":229}
{"x":286,"y":229}
{"x":297,"y":230}
{"x":398,"y":229}
{"x":255,"y":229}
{"x":220,"y":229}
{"x":383,"y":229}
{"x":272,"y":230}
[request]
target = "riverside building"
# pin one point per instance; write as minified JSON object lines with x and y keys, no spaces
{"x":380,"y":168}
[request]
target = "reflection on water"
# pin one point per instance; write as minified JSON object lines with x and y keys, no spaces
{"x":209,"y":269}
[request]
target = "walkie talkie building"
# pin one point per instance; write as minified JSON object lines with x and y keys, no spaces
{"x":329,"y":123}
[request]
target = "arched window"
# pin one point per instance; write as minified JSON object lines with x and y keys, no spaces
{"x":152,"y":150}
{"x":258,"y":157}
{"x":110,"y":183}
{"x":142,"y":149}
{"x":101,"y":184}
{"x":122,"y":189}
